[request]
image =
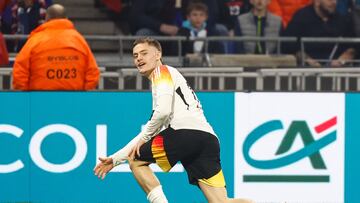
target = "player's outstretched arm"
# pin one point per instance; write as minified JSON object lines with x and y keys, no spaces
{"x":103,"y":168}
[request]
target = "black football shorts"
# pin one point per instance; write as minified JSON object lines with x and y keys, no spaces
{"x":198,"y":151}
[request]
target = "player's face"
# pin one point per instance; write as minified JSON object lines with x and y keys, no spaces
{"x":146,"y":58}
{"x":197,"y":18}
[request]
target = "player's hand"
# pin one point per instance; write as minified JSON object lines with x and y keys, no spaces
{"x":136,"y":149}
{"x":103,"y":168}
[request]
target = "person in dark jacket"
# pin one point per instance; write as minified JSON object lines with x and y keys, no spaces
{"x":320,"y":19}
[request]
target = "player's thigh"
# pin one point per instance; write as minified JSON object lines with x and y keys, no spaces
{"x":137,"y":163}
{"x":213,"y":194}
{"x":202,"y":164}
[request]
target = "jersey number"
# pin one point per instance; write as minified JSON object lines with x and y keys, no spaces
{"x":179,"y":92}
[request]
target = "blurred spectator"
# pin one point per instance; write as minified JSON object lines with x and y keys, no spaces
{"x":4,"y":56}
{"x":113,"y":5}
{"x":355,"y":14}
{"x":259,"y":23}
{"x":320,"y":19}
{"x":356,"y":2}
{"x":195,"y":26}
{"x":344,"y":7}
{"x":230,"y":10}
{"x":3,"y":5}
{"x":221,"y":20}
{"x":6,"y":17}
{"x":23,"y":16}
{"x":356,"y":17}
{"x":157,"y":17}
{"x":165,"y":17}
{"x":286,"y":8}
{"x":29,"y":14}
{"x":117,"y":11}
{"x":55,"y":57}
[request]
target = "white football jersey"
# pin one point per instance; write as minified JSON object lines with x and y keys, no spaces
{"x":187,"y":112}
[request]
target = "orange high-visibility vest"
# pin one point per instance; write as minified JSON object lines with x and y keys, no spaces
{"x":55,"y":57}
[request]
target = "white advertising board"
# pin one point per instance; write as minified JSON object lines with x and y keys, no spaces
{"x":289,"y":147}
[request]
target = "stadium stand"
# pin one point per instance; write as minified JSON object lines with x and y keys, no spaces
{"x":90,"y":20}
{"x":245,"y":60}
{"x":206,"y":72}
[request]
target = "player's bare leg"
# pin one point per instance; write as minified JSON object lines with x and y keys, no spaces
{"x":213,"y":194}
{"x":144,"y":175}
{"x":219,"y":195}
{"x":147,"y":180}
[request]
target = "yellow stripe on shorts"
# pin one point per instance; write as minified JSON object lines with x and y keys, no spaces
{"x":159,"y":153}
{"x":217,"y":180}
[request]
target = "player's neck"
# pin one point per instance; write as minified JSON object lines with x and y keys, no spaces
{"x":152,"y":71}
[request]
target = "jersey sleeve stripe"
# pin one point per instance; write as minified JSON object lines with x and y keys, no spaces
{"x":162,"y":76}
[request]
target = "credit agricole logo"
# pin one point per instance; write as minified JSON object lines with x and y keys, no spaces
{"x":310,"y":151}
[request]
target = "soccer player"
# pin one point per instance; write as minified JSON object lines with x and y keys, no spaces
{"x":176,"y":131}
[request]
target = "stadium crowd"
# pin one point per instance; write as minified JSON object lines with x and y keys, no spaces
{"x":227,"y":18}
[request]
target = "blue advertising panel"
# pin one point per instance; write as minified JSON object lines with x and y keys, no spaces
{"x":14,"y":116}
{"x":49,"y":142}
{"x":352,"y":146}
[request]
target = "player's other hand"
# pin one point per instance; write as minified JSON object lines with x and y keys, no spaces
{"x":136,"y":149}
{"x":103,"y":168}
